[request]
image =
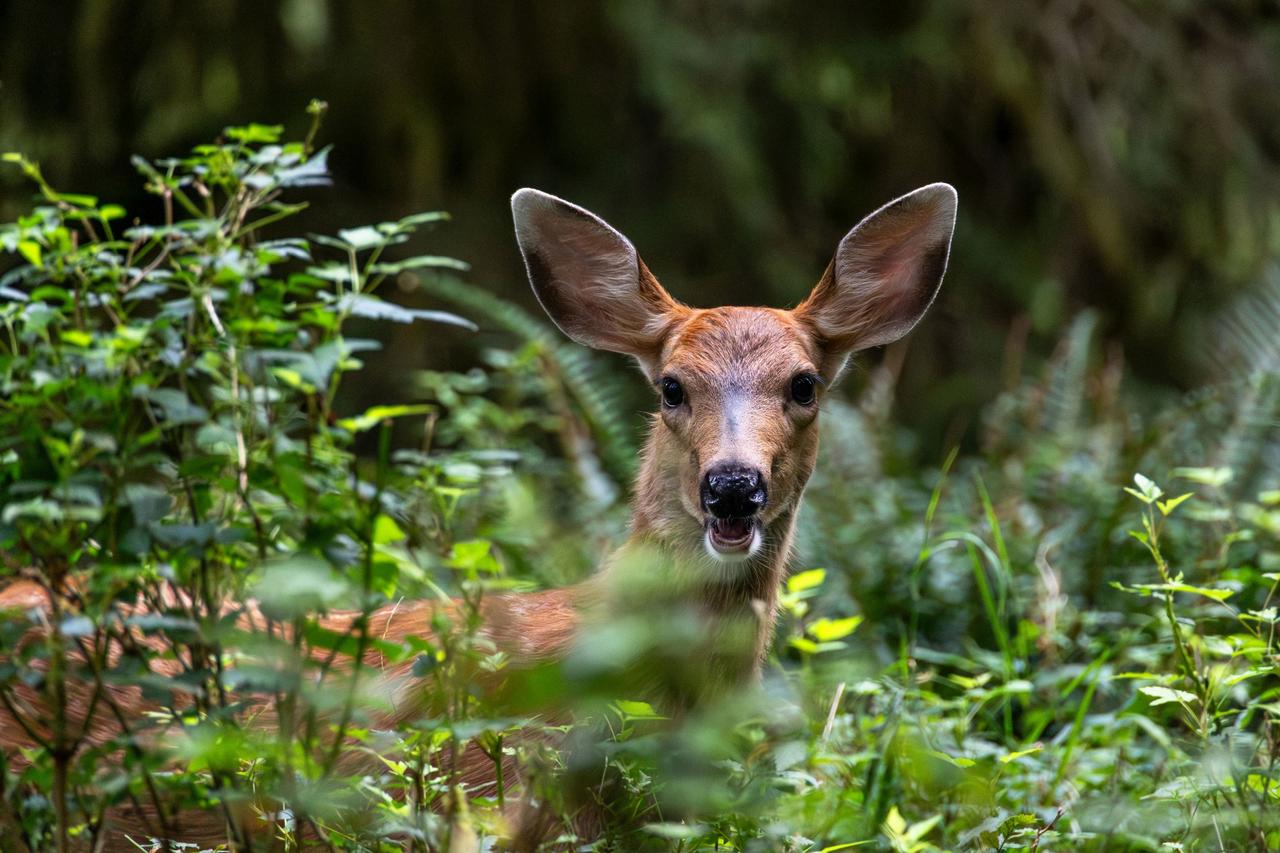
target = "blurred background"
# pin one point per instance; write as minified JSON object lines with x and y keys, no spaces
{"x":1112,"y":308}
{"x":1114,"y":156}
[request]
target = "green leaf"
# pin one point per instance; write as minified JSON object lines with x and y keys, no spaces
{"x":845,"y":846}
{"x":373,"y":308}
{"x":298,"y":585}
{"x":1164,"y":695}
{"x":1214,"y":477}
{"x":474,"y":555}
{"x":811,"y":579}
{"x":632,"y":710}
{"x":255,"y":133}
{"x":377,"y":414}
{"x":1170,"y":505}
{"x":425,"y":218}
{"x":827,"y":630}
{"x":420,"y":262}
{"x":956,"y":760}
{"x":30,"y":250}
{"x":804,"y":644}
{"x":1207,"y":592}
{"x":675,"y":831}
{"x":76,"y":338}
{"x":1014,"y":756}
{"x":362,"y":238}
{"x":1147,"y":486}
{"x":386,"y":531}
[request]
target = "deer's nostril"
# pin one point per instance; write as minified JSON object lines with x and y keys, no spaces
{"x":733,"y":491}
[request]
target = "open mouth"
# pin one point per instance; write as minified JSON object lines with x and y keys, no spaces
{"x":732,"y":537}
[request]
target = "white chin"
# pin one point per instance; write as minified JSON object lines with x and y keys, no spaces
{"x":738,"y":555}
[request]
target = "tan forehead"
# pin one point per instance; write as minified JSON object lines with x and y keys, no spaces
{"x":739,"y":342}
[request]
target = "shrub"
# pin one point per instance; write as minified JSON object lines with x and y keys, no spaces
{"x":988,"y":659}
{"x":173,"y":439}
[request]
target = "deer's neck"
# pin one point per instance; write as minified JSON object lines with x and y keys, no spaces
{"x":666,"y":543}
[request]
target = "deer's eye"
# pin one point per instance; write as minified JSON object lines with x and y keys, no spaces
{"x":672,"y":393}
{"x":804,"y":389}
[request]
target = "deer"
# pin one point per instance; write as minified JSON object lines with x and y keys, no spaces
{"x":722,"y":471}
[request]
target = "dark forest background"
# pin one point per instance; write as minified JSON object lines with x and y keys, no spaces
{"x":1114,"y":156}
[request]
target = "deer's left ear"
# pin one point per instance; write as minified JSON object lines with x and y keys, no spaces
{"x":885,"y":273}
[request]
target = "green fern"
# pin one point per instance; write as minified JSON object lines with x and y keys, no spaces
{"x":598,"y":398}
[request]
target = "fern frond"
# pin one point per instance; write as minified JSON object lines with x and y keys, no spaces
{"x":596,"y":393}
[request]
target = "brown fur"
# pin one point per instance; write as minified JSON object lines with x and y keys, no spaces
{"x":736,"y":366}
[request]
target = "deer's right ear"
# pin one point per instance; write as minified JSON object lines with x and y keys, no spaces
{"x":589,"y":278}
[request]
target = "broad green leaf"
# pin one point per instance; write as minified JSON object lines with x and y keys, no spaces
{"x":633,"y":710}
{"x":386,"y":531}
{"x":255,"y":133}
{"x":30,"y":250}
{"x":827,"y":630}
{"x":362,"y":238}
{"x":474,"y":555}
{"x":76,"y":338}
{"x":297,"y":585}
{"x":804,"y":644}
{"x":811,"y":579}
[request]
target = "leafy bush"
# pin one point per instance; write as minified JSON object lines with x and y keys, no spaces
{"x":1029,"y":648}
{"x":173,"y":440}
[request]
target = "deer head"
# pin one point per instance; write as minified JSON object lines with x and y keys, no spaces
{"x":739,"y":388}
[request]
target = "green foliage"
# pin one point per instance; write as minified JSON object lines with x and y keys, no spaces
{"x":172,"y":440}
{"x":1027,"y":648}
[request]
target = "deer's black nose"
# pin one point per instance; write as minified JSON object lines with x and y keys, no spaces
{"x":733,"y":491}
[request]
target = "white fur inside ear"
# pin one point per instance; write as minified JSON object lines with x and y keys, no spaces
{"x":550,"y":224}
{"x":585,"y":273}
{"x":887,"y":270}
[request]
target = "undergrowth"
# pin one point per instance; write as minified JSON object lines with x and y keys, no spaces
{"x":1065,"y":640}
